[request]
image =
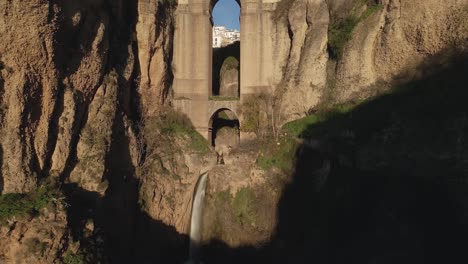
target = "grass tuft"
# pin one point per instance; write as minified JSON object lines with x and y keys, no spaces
{"x":243,"y":206}
{"x":224,"y":98}
{"x":174,"y":122}
{"x":17,"y":204}
{"x":280,"y":154}
{"x":75,"y":258}
{"x":340,"y":32}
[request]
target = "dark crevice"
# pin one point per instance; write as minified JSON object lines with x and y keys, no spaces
{"x":74,"y":42}
{"x":114,"y":213}
{"x":165,"y":25}
{"x":385,"y":198}
{"x":78,"y":124}
{"x":30,"y":118}
{"x":120,"y":202}
{"x":54,"y":131}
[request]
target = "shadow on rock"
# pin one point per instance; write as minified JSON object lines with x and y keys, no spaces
{"x":389,"y":187}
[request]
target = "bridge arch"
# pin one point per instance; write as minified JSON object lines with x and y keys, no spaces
{"x":226,"y":50}
{"x":214,"y":2}
{"x":224,"y":128}
{"x":226,"y":69}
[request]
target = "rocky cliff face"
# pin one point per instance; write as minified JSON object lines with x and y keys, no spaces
{"x":51,"y":74}
{"x":83,"y":86}
{"x":42,"y":239}
{"x":389,"y":39}
{"x":77,"y":81}
{"x":68,"y":76}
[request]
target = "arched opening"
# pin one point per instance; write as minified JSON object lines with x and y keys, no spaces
{"x":226,"y":49}
{"x":224,"y":132}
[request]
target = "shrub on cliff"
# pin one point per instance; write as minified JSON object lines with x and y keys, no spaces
{"x":77,"y":258}
{"x":243,"y":206}
{"x":172,"y":123}
{"x":340,"y":31}
{"x":281,"y":153}
{"x":258,"y":115}
{"x":17,"y":204}
{"x":230,"y":63}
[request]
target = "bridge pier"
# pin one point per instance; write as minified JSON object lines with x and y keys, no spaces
{"x":193,"y":58}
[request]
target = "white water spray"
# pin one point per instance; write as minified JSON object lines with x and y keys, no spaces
{"x":197,"y":215}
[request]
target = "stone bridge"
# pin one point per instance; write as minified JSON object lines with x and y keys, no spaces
{"x":193,"y":58}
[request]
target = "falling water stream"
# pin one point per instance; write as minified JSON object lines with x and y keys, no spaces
{"x":196,"y":221}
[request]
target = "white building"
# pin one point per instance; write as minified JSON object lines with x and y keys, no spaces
{"x":223,"y":37}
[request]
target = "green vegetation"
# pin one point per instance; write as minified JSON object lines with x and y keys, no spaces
{"x":220,"y":210}
{"x":91,"y":251}
{"x":75,"y":258}
{"x":162,"y":139}
{"x":338,"y":35}
{"x":223,"y":197}
{"x":258,"y":112}
{"x":371,"y":9}
{"x":251,"y":110}
{"x":17,"y":205}
{"x":281,"y":153}
{"x":240,"y":208}
{"x":404,"y":115}
{"x":399,"y":112}
{"x":182,"y":98}
{"x":224,"y":98}
{"x":243,"y":206}
{"x":174,"y":122}
{"x":197,"y":142}
{"x":340,"y":31}
{"x":296,"y":127}
{"x":36,"y":246}
{"x":230,"y":63}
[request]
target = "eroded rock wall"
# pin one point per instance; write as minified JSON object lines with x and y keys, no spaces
{"x":154,"y":33}
{"x":30,"y":84}
{"x":57,"y":55}
{"x":80,"y":82}
{"x":305,"y":72}
{"x":68,"y":69}
{"x":41,"y":239}
{"x":399,"y":38}
{"x":78,"y":79}
{"x":390,"y":42}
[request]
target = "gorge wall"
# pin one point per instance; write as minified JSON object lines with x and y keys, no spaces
{"x":84,"y":93}
{"x":78,"y":80}
{"x":388,"y":42}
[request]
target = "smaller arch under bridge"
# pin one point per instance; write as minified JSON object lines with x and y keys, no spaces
{"x":201,"y":111}
{"x":232,"y":105}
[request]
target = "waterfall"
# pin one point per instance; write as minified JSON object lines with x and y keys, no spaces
{"x":196,"y":221}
